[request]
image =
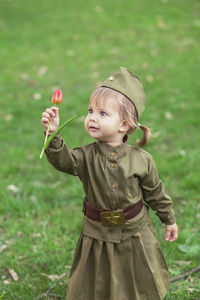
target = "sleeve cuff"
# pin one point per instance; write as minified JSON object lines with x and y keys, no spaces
{"x":55,"y":144}
{"x":169,"y":221}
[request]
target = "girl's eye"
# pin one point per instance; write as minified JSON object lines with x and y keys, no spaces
{"x":90,"y":111}
{"x":103,"y":113}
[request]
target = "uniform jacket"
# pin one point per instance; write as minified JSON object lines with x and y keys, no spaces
{"x":114,"y":178}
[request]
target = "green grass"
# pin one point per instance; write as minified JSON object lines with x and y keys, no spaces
{"x":73,"y":45}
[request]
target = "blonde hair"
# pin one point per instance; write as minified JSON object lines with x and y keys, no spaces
{"x":127,"y":112}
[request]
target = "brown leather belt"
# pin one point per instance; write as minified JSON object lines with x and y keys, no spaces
{"x":111,"y":217}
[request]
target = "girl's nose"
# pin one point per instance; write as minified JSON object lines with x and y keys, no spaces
{"x":92,"y":117}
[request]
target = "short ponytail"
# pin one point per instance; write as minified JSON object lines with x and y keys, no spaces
{"x":146,"y":136}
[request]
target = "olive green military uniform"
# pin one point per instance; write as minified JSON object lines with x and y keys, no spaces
{"x":121,"y":262}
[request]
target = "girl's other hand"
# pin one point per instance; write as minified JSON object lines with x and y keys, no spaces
{"x":171,"y":232}
{"x":47,"y":115}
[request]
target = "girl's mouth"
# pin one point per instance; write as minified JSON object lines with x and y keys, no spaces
{"x":92,"y":128}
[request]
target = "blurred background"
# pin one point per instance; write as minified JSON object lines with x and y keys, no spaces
{"x":74,"y":46}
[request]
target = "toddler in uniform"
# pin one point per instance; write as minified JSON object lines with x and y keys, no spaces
{"x":118,"y":256}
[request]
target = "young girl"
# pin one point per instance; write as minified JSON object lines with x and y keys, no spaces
{"x":118,"y":256}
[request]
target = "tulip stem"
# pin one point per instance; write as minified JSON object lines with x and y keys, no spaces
{"x":50,"y":138}
{"x":47,"y":132}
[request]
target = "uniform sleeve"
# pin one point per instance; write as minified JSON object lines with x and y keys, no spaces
{"x":154,"y":195}
{"x":64,"y":159}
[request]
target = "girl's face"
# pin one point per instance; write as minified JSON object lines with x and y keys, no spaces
{"x":103,"y":121}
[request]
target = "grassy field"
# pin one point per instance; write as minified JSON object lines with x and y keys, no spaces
{"x":73,"y":45}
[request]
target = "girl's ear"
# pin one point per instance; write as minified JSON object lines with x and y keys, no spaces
{"x":124,"y":126}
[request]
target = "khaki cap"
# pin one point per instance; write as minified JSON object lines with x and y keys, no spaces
{"x":128,"y":84}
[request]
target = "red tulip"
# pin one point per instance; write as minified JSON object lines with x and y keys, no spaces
{"x":57,"y":97}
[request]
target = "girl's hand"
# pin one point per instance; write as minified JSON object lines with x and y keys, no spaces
{"x":50,"y":114}
{"x":171,"y":232}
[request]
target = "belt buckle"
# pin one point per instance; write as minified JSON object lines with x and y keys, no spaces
{"x":112,"y":218}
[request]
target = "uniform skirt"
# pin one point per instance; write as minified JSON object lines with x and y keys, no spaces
{"x":134,"y":269}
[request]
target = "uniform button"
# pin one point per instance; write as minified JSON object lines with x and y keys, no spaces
{"x":114,"y":203}
{"x":112,"y":165}
{"x":112,"y":153}
{"x":114,"y":185}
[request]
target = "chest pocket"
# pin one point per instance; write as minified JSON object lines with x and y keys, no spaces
{"x":133,"y":185}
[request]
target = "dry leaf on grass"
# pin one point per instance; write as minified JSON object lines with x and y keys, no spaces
{"x":13,"y":188}
{"x":3,"y":248}
{"x":182,"y":262}
{"x":191,"y":290}
{"x":13,"y":274}
{"x":38,"y":234}
{"x":161,"y":24}
{"x":68,"y":267}
{"x":54,"y":277}
{"x":37,"y":96}
{"x":155,"y":135}
{"x":182,"y":152}
{"x":8,"y":118}
{"x":42,"y":70}
{"x":149,"y":78}
{"x":168,"y":115}
{"x":24,"y":76}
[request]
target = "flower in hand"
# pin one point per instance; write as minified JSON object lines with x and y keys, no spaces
{"x":57,"y":97}
{"x":50,"y":120}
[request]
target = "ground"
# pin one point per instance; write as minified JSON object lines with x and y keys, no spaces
{"x":74,"y":46}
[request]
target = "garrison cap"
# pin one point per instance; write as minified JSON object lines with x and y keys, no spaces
{"x":128,"y":84}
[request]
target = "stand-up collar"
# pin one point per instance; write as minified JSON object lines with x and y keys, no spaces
{"x":112,"y":153}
